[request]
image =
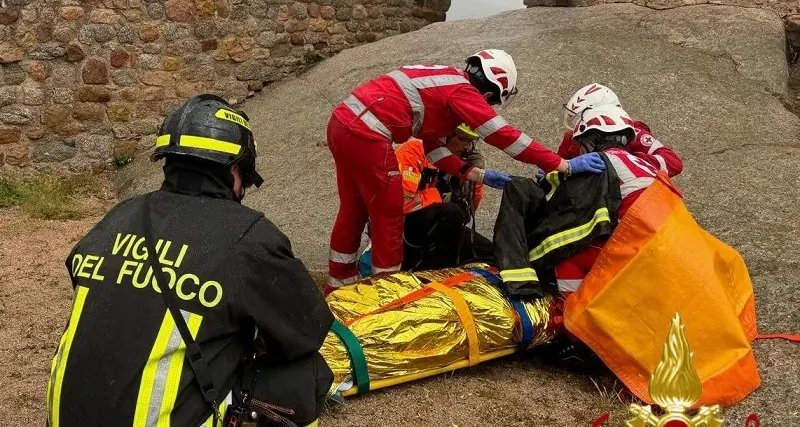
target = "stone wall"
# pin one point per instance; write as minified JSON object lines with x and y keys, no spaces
{"x":86,"y":83}
{"x":789,"y":10}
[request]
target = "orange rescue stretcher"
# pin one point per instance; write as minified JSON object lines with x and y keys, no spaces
{"x":400,"y":327}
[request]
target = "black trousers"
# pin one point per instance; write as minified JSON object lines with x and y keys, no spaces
{"x":521,"y":212}
{"x":300,"y":385}
{"x":533,"y":213}
{"x":435,"y":237}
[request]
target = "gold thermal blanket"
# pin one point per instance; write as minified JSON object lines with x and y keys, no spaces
{"x":399,"y":327}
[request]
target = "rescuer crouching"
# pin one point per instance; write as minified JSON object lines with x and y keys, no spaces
{"x":190,"y":309}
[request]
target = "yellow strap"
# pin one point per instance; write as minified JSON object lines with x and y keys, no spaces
{"x":467,"y":320}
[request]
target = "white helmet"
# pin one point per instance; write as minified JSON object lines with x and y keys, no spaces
{"x":593,"y":95}
{"x":606,"y":119}
{"x":499,"y":69}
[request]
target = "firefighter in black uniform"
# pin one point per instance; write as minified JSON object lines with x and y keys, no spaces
{"x":225,"y":275}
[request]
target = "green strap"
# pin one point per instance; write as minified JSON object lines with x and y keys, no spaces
{"x":356,"y":354}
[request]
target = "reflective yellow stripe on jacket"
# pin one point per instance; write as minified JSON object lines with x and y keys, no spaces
{"x":569,"y":236}
{"x":519,"y":275}
{"x":162,"y":373}
{"x":59,"y":364}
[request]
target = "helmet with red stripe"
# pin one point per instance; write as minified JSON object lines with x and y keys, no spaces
{"x":592,"y":95}
{"x":496,"y":68}
{"x":604,"y":126}
{"x":605,"y":119}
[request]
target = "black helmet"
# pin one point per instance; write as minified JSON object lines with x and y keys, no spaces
{"x":209,"y":128}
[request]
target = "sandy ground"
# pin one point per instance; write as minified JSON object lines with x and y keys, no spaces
{"x":35,"y":298}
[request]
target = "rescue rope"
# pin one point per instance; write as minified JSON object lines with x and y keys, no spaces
{"x":788,"y":337}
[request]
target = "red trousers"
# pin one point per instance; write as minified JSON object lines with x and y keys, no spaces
{"x":370,"y":187}
{"x":569,"y":275}
{"x":571,"y":271}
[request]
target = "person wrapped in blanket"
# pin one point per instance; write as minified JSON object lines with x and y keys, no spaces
{"x":439,"y":208}
{"x":550,"y":230}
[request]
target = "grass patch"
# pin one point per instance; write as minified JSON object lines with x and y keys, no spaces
{"x":48,"y":197}
{"x":122,"y":160}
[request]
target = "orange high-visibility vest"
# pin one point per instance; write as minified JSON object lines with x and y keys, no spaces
{"x":412,"y":160}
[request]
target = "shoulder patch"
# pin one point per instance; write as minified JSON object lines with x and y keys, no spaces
{"x":647,"y":140}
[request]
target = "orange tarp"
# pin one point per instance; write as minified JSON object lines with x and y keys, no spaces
{"x":659,"y":261}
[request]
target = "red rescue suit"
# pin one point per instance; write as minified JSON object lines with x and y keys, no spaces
{"x":644,"y":146}
{"x":423,"y":101}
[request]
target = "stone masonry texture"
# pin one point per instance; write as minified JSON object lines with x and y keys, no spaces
{"x":83,"y":82}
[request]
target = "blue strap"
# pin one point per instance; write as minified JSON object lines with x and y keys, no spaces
{"x":519,"y":307}
{"x":527,"y":326}
{"x":492,"y":278}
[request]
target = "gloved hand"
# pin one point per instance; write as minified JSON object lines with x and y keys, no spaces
{"x":591,"y":162}
{"x":496,"y":179}
{"x":540,"y":175}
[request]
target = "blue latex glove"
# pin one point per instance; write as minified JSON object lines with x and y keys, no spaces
{"x":591,"y":162}
{"x":539,"y":175}
{"x":496,"y":179}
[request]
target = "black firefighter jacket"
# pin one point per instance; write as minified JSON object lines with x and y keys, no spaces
{"x":541,"y":224}
{"x":120,"y":361}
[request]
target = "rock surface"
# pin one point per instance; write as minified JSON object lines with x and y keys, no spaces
{"x":671,"y":68}
{"x":789,"y":10}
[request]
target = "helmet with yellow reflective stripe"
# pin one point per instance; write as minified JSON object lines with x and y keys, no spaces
{"x":207,"y":127}
{"x":467,"y":133}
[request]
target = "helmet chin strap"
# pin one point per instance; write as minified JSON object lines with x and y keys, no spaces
{"x":607,"y":141}
{"x":617,"y":140}
{"x":474,"y":69}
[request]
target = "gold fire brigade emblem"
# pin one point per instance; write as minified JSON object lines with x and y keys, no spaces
{"x":675,"y":386}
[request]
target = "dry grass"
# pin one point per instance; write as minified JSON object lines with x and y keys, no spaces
{"x":49,"y":197}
